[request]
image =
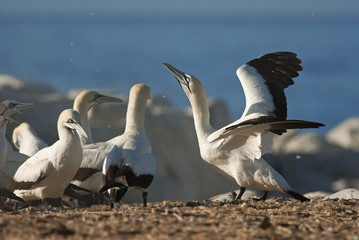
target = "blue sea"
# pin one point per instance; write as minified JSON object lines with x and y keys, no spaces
{"x":114,"y":52}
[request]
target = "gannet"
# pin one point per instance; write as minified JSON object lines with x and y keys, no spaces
{"x":46,"y":174}
{"x":8,"y":108}
{"x":88,"y":177}
{"x":25,"y":139}
{"x":238,"y":149}
{"x":84,"y":102}
{"x":130,"y":163}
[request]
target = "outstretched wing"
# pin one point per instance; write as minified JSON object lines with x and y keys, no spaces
{"x":264,"y":80}
{"x":261,"y":124}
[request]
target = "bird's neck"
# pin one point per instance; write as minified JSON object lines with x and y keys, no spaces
{"x":135,"y":117}
{"x":3,"y":127}
{"x":201,"y":117}
{"x":82,"y":109}
{"x":70,"y":137}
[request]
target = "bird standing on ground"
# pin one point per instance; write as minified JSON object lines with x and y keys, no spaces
{"x":47,"y":173}
{"x":130,"y":163}
{"x":238,"y":149}
{"x":88,"y":178}
{"x":8,"y":108}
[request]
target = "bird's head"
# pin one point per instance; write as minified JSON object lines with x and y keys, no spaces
{"x":71,"y":120}
{"x":11,"y":107}
{"x":90,"y":98}
{"x":189,"y":83}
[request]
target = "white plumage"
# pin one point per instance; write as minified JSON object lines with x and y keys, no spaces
{"x":130,"y":163}
{"x":238,"y":150}
{"x":47,"y":173}
{"x":120,"y":149}
{"x":26,"y":140}
{"x":8,"y":108}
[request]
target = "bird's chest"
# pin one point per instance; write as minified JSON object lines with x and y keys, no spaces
{"x":68,"y":158}
{"x":214,"y":152}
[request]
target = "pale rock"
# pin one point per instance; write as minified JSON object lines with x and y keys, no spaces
{"x":303,"y":143}
{"x":248,"y":194}
{"x":346,"y":134}
{"x":349,"y":193}
{"x":317,"y":194}
{"x":11,"y":82}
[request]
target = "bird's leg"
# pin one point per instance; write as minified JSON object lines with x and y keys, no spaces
{"x":4,"y":207}
{"x":102,"y":198}
{"x":112,"y":197}
{"x":240,"y":194}
{"x":233,"y":195}
{"x":95,"y":198}
{"x":264,"y":197}
{"x":46,"y":205}
{"x":144,"y":197}
{"x":61,"y":204}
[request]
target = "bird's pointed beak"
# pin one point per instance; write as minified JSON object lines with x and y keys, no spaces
{"x":179,"y":75}
{"x":18,"y":108}
{"x":76,"y":126}
{"x":107,"y":99}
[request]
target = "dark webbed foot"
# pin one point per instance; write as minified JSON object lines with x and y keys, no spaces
{"x":263,"y":198}
{"x":237,"y":198}
{"x":4,"y":207}
{"x":233,"y":195}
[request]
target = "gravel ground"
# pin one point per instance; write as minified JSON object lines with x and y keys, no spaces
{"x":270,"y":219}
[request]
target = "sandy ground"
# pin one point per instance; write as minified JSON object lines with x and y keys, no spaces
{"x":270,"y":219}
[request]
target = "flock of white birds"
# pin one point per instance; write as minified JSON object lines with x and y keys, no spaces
{"x":91,"y":172}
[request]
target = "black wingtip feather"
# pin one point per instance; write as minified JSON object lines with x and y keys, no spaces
{"x":298,"y":196}
{"x":278,"y":69}
{"x":8,"y":194}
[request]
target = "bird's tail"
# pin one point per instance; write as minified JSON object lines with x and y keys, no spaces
{"x":297,"y":196}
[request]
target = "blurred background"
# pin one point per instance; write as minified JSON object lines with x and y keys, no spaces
{"x":90,"y":44}
{"x":57,"y":48}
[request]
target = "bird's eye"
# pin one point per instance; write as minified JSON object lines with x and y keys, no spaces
{"x":69,"y":120}
{"x":187,"y":79}
{"x":96,"y":96}
{"x":12,"y":105}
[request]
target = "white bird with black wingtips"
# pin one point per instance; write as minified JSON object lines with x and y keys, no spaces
{"x":238,"y":149}
{"x":47,"y":173}
{"x":130,"y":163}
